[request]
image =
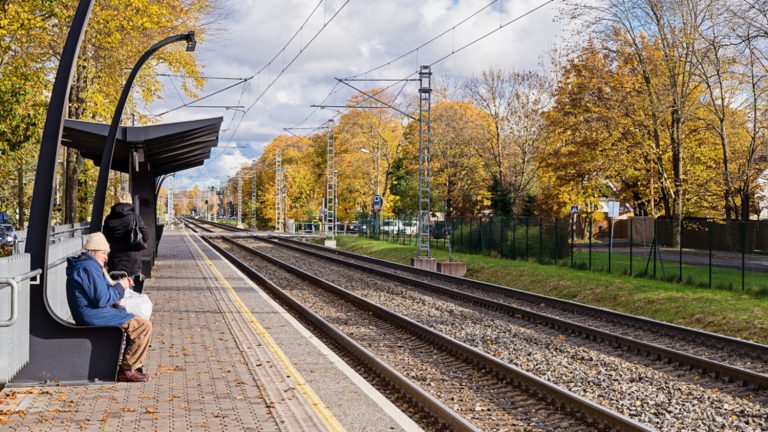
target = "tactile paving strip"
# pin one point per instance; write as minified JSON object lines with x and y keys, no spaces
{"x":282,"y":387}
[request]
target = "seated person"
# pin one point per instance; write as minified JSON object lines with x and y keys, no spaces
{"x":93,"y":301}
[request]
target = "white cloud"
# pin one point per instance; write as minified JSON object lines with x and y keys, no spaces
{"x":364,"y":35}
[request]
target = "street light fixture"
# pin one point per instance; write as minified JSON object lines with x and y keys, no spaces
{"x":97,"y":212}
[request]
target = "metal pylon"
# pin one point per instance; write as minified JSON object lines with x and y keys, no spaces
{"x":425,"y":141}
{"x":330,"y":186}
{"x":278,"y":192}
{"x":253,"y":200}
{"x":239,"y":201}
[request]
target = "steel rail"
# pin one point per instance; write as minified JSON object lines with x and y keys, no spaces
{"x":712,"y":339}
{"x":544,"y":389}
{"x":383,"y":370}
{"x":218,"y":225}
{"x":734,"y":373}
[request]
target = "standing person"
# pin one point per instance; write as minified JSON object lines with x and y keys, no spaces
{"x":93,"y":301}
{"x":117,"y":229}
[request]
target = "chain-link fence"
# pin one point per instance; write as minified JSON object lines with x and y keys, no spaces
{"x":709,"y":253}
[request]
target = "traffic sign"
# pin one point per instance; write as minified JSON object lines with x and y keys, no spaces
{"x":377,"y":201}
{"x":574,"y":209}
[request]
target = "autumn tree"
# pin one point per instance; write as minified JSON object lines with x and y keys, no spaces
{"x":118,"y":33}
{"x":515,"y":103}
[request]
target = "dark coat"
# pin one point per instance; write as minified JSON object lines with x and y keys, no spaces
{"x":90,"y":296}
{"x":117,"y":230}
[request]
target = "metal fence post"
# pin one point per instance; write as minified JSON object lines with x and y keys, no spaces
{"x":541,"y":237}
{"x":711,"y":239}
{"x":743,"y":226}
{"x":503,"y":239}
{"x":631,"y":239}
{"x":680,"y":256}
{"x":590,"y":241}
{"x":470,"y":233}
{"x":654,"y":245}
{"x":527,"y":222}
{"x":514,"y":237}
{"x":573,"y":233}
{"x":490,"y":235}
{"x":555,"y":240}
{"x":610,"y":242}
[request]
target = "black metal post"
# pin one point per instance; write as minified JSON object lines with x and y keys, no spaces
{"x":590,"y":242}
{"x":654,"y":246}
{"x":100,"y":194}
{"x":514,"y":237}
{"x":541,"y":237}
{"x":711,"y":238}
{"x":57,"y":350}
{"x":573,"y":235}
{"x":490,"y":236}
{"x":631,"y":239}
{"x":527,"y":223}
{"x":503,"y":240}
{"x":743,"y":226}
{"x":610,"y":242}
{"x":680,"y":256}
{"x":555,"y":240}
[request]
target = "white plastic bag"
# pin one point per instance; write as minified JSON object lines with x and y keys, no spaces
{"x":137,"y":304}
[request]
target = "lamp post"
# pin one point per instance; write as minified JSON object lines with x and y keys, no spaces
{"x":97,"y":212}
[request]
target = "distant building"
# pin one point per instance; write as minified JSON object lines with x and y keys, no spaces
{"x":761,"y":197}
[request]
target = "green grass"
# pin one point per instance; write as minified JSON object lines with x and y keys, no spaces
{"x":732,"y":313}
{"x":756,"y":283}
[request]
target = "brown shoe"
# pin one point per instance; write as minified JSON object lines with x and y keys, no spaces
{"x":126,"y":375}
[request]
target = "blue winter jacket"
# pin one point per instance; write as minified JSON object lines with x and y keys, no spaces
{"x":90,"y":296}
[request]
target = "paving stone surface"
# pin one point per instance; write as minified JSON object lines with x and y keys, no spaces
{"x":200,"y":377}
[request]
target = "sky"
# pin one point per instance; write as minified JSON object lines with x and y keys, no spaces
{"x":350,"y":37}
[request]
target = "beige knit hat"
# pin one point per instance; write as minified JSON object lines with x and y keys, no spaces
{"x":124,"y":197}
{"x":96,"y":242}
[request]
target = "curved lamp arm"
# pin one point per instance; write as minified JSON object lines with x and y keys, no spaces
{"x":100,"y":195}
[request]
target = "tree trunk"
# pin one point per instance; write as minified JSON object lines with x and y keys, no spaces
{"x":677,"y":169}
{"x":73,"y":161}
{"x":728,"y":188}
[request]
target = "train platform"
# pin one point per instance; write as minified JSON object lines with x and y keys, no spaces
{"x":224,"y":356}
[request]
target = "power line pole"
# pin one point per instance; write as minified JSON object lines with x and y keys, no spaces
{"x":253,"y":200}
{"x":278,"y":192}
{"x":425,"y":141}
{"x":240,"y":201}
{"x":330,"y":189}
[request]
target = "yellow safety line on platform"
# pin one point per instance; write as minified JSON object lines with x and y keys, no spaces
{"x":329,"y":420}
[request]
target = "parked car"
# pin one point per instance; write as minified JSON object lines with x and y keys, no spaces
{"x":7,"y":235}
{"x":391,"y":226}
{"x":411,"y":227}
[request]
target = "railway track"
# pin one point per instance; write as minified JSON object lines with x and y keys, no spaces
{"x":753,"y":415}
{"x":742,"y":362}
{"x":463,"y":387}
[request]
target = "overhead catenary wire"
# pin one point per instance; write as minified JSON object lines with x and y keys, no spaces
{"x":513,"y":20}
{"x":285,"y":68}
{"x":451,"y":29}
{"x":453,"y":49}
{"x":247,"y":79}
